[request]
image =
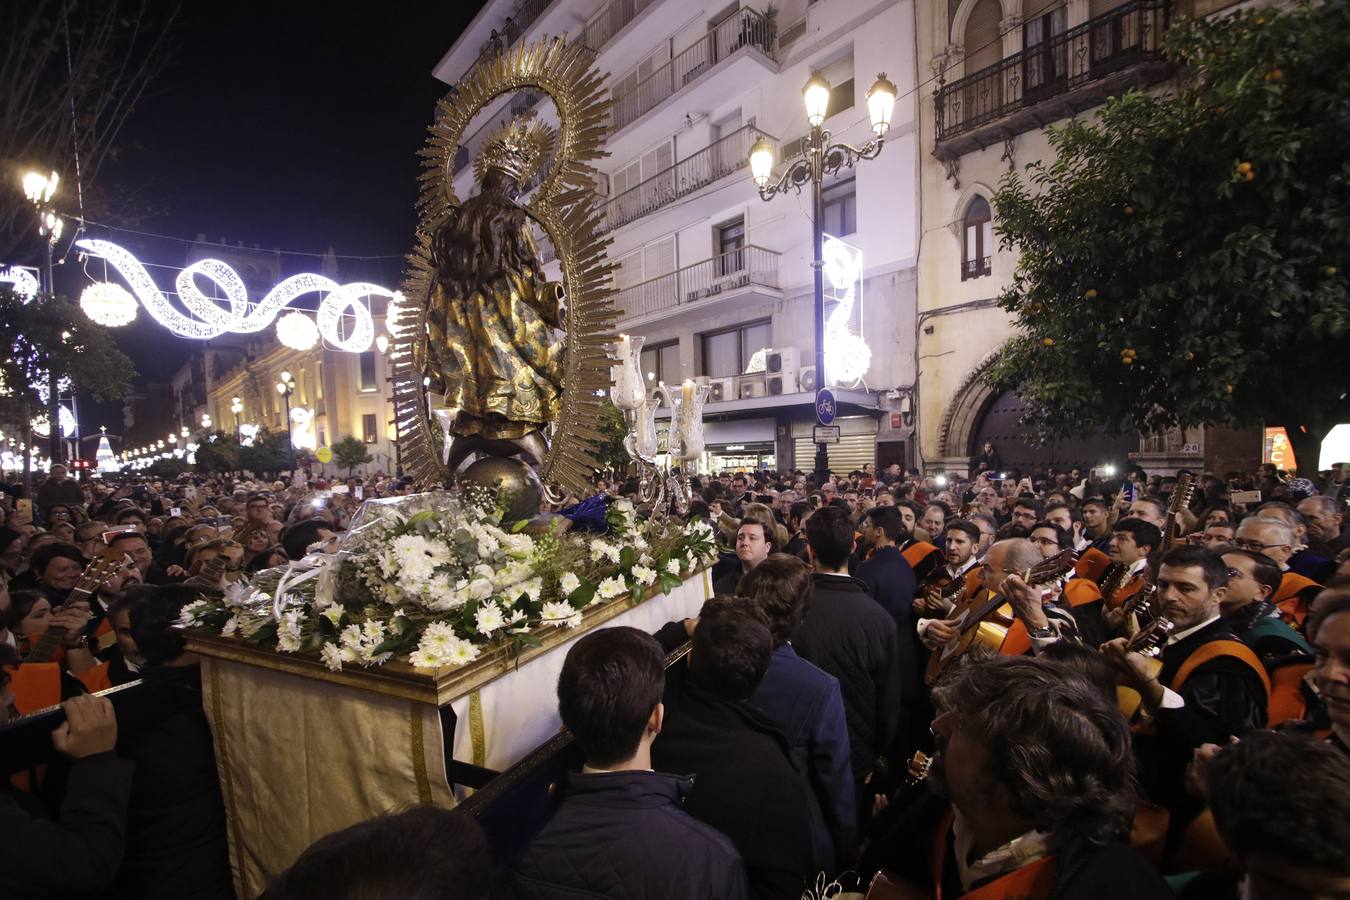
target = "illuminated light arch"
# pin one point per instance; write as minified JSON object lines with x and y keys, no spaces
{"x":208,"y":319}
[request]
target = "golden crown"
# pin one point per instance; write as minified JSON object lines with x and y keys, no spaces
{"x":518,"y":148}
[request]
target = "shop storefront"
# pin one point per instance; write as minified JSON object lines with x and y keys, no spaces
{"x":743,"y":445}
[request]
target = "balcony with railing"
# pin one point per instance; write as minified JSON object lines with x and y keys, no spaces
{"x":723,"y":157}
{"x":513,"y":28}
{"x":1071,"y":71}
{"x":746,"y":28}
{"x":749,"y":273}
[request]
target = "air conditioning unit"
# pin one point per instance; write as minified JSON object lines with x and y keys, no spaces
{"x":752,"y":386}
{"x":722,"y":389}
{"x":806,"y":379}
{"x":781,"y":367}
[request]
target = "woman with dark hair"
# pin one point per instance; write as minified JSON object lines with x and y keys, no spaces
{"x":57,"y":568}
{"x":176,"y":839}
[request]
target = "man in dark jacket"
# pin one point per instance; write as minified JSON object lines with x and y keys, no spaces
{"x":56,"y":489}
{"x":848,"y":635}
{"x":176,"y":837}
{"x":746,"y":785}
{"x":77,"y":855}
{"x":887,"y":574}
{"x":805,"y":703}
{"x":620,"y":831}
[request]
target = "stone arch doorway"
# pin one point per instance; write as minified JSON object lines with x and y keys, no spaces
{"x":978,"y":413}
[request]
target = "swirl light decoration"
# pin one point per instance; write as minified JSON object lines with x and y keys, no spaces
{"x":25,"y":282}
{"x":206,"y":318}
{"x":847,"y":356}
{"x":108,"y":304}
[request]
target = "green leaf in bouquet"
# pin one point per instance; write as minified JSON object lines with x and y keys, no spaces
{"x":627,"y":557}
{"x":582,"y":595}
{"x":266,"y":634}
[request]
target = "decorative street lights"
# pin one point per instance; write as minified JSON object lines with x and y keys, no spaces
{"x":236,"y":407}
{"x":819,"y":158}
{"x":284,"y":387}
{"x":206,"y":421}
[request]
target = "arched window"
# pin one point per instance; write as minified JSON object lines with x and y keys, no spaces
{"x":977,"y":239}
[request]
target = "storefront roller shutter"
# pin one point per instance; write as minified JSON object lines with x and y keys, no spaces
{"x":857,"y":444}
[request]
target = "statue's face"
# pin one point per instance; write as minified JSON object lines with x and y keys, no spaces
{"x":498,"y":182}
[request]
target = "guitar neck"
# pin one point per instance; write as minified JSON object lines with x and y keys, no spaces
{"x":55,"y":635}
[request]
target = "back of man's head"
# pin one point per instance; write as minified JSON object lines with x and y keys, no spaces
{"x":781,"y":586}
{"x":611,"y":681}
{"x":1282,"y":804}
{"x":731,"y":649}
{"x":829,"y":534}
{"x":1059,"y":750}
{"x":888,"y":521}
{"x":425,"y":853}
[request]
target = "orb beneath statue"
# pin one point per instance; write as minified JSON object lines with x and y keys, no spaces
{"x":514,"y":482}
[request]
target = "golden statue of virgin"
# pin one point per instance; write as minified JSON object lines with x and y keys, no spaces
{"x":492,"y":353}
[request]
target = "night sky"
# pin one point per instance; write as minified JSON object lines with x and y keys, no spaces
{"x":290,"y":125}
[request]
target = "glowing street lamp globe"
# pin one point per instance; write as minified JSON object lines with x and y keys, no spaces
{"x":816,"y":96}
{"x":881,"y":104}
{"x":761,"y":161}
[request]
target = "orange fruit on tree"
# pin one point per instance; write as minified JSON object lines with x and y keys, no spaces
{"x":1049,"y":342}
{"x":1091,"y":294}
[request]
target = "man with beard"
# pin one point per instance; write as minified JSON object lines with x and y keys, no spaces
{"x":1029,"y":793}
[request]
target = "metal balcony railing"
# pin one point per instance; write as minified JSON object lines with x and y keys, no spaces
{"x":610,"y":21}
{"x":976,"y":268}
{"x":719,"y":159}
{"x":1123,"y":37}
{"x":513,"y":28}
{"x":744,"y":267}
{"x":744,"y":28}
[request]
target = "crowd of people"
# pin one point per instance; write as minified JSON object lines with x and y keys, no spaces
{"x":1055,"y":684}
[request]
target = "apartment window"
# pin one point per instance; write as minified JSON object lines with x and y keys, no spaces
{"x":1046,"y":56}
{"x":661,"y":362}
{"x":840,"y":208}
{"x":368,"y":371}
{"x":730,"y":246}
{"x":368,"y":432}
{"x":729,"y":352}
{"x":977,"y":245}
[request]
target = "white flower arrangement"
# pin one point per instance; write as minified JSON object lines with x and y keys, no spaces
{"x":436,"y":580}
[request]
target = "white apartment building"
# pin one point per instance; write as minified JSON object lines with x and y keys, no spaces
{"x":716,"y":280}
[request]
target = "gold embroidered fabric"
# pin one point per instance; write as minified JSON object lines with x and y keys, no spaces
{"x":300,"y":758}
{"x":492,"y":355}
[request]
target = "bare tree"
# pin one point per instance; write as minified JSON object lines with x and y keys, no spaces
{"x":71,"y":73}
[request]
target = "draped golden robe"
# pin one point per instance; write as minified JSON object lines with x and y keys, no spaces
{"x":491,"y":353}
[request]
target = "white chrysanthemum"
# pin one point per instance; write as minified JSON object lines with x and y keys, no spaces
{"x":333,"y":614}
{"x":673,"y":566}
{"x":187,"y":618}
{"x":602,"y":550}
{"x":483,"y":570}
{"x":332,"y":657}
{"x":561,"y":614}
{"x":443,"y":596}
{"x":372,"y":632}
{"x":422,"y":659}
{"x":532,"y":588}
{"x":569,"y":583}
{"x":611,"y":588}
{"x":489,"y":618}
{"x":287,"y":642}
{"x":480,"y":589}
{"x":230,"y":627}
{"x":417,"y":557}
{"x":643,"y":575}
{"x":639,"y":542}
{"x":461,"y":652}
{"x":517,"y":616}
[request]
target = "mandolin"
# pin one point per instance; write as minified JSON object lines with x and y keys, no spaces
{"x":1149,"y":642}
{"x":971,"y":616}
{"x":95,"y":575}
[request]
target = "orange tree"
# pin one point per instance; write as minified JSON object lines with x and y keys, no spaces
{"x":1183,"y":257}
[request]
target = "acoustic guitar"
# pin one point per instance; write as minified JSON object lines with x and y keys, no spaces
{"x":973,"y":614}
{"x":94,"y":576}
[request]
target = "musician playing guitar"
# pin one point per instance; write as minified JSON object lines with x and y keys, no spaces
{"x":1132,"y":540}
{"x":1210,"y":686}
{"x":960,"y":568}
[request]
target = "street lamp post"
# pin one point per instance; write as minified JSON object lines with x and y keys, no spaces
{"x":284,"y":387}
{"x":818,"y":159}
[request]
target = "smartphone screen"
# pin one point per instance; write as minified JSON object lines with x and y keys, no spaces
{"x":176,"y":511}
{"x":360,"y":492}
